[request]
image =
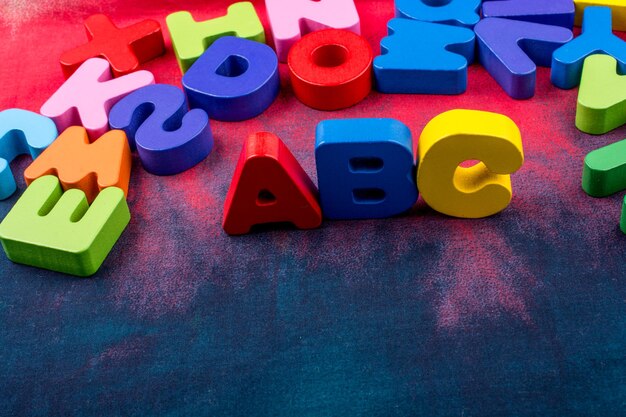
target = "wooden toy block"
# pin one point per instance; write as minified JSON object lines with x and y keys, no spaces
{"x":365,"y":168}
{"x":552,"y":12}
{"x":269,"y":186}
{"x":602,"y":96}
{"x":510,"y":51}
{"x":604,"y":172}
{"x":21,"y":133}
{"x":331,"y":69}
{"x":596,"y":38}
{"x":168,"y":138}
{"x":618,"y":8}
{"x":87,"y":96}
{"x":424,"y":58}
{"x":58,"y":231}
{"x":235,"y":79}
{"x":124,"y":48}
{"x":622,"y":222}
{"x":292,"y":19}
{"x":88,"y":167}
{"x":467,"y":135}
{"x":448,"y":12}
{"x":190,"y":38}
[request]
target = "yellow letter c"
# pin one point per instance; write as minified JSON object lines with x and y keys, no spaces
{"x":463,"y":135}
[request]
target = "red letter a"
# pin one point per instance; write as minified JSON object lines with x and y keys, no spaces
{"x":269,"y":186}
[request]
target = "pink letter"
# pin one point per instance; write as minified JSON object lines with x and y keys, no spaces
{"x":87,"y":96}
{"x":291,"y":19}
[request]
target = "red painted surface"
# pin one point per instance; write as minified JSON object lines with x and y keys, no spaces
{"x":125,"y":48}
{"x":269,"y":186}
{"x":331,"y":69}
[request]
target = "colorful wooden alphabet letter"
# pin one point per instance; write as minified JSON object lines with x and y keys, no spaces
{"x":604,"y":172}
{"x":235,"y":79}
{"x":622,"y":221}
{"x":331,"y":69}
{"x":21,"y":133}
{"x":59,"y":231}
{"x":168,"y":139}
{"x":88,"y":167}
{"x":86,"y":98}
{"x":596,"y":38}
{"x":553,"y":12}
{"x":510,"y":51}
{"x":465,"y":135}
{"x":190,"y":38}
{"x":269,"y":186}
{"x":292,"y":19}
{"x":617,"y":6}
{"x":125,"y":48}
{"x":365,"y":168}
{"x":448,"y":12}
{"x":601,"y":97}
{"x":424,"y":58}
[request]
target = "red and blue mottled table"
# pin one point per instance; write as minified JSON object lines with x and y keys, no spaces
{"x":520,"y":314}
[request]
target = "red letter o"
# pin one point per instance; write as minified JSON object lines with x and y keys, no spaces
{"x":331,"y":69}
